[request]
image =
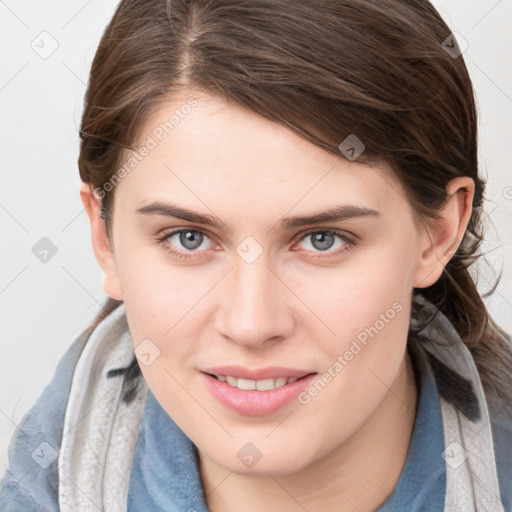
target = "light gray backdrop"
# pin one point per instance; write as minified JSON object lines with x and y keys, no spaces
{"x":46,"y":51}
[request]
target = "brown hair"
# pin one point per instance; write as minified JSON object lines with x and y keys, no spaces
{"x":324,"y":69}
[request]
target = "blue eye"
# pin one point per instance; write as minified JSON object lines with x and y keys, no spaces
{"x":324,"y":240}
{"x":321,"y":241}
{"x":190,"y":239}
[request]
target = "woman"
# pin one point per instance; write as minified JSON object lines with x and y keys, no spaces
{"x":284,"y":199}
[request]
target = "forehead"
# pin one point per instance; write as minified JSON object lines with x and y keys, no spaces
{"x":201,"y":148}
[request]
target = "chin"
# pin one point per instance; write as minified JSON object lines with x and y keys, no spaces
{"x":261,"y":458}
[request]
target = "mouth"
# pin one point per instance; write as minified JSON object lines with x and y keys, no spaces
{"x":256,"y":396}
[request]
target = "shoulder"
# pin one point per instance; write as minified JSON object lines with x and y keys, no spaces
{"x":31,"y":480}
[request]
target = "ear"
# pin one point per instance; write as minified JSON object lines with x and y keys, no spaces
{"x":439,"y":243}
{"x":100,"y":242}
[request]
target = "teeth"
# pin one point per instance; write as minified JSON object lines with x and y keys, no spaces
{"x":232,"y":381}
{"x":246,"y":384}
{"x":280,"y":381}
{"x":265,"y":384}
{"x":259,"y":385}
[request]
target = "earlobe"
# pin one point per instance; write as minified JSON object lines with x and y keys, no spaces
{"x":440,"y":241}
{"x":100,"y":242}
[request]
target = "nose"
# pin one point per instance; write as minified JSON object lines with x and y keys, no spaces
{"x":254,"y":311}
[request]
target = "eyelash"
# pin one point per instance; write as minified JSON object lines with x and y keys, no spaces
{"x":185,"y":256}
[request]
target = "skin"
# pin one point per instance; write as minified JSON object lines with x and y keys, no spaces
{"x":298,"y":308}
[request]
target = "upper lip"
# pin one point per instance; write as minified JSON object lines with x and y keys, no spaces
{"x":268,"y":372}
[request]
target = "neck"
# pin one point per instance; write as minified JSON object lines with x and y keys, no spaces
{"x":359,"y":475}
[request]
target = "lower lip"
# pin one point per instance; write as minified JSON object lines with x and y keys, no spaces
{"x":256,"y":403}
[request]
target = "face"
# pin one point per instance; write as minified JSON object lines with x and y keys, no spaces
{"x":257,"y":294}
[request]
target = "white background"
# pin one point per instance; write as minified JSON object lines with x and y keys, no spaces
{"x":44,"y":306}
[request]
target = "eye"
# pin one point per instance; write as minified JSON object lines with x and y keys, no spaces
{"x":191,"y":240}
{"x":324,"y":240}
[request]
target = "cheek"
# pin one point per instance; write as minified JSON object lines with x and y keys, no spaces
{"x":159,"y":302}
{"x":155,"y":291}
{"x":353,"y":296}
{"x":362,"y":364}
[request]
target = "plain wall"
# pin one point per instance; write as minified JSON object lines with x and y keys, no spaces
{"x":44,"y":306}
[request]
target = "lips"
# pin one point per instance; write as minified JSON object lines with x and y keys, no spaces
{"x":256,"y":392}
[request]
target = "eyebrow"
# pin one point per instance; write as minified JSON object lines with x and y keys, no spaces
{"x":337,"y":213}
